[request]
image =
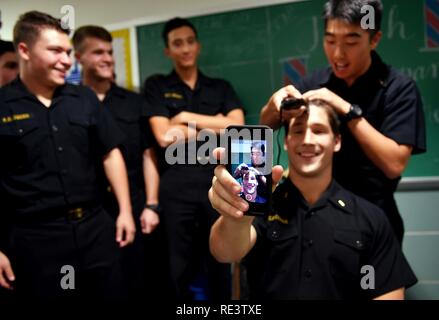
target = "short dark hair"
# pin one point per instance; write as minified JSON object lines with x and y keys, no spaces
{"x":176,"y":23}
{"x":350,"y":11}
{"x":6,"y":46}
{"x":30,"y":24}
{"x":259,"y":146}
{"x":334,"y":121}
{"x":90,"y":31}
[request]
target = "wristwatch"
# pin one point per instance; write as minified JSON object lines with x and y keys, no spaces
{"x":355,"y":112}
{"x":154,"y":207}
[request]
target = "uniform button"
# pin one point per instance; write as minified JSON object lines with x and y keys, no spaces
{"x":20,"y":131}
{"x":60,"y":149}
{"x":312,"y":213}
{"x":310,"y":243}
{"x":359,"y":244}
{"x":54,"y":128}
{"x":308,"y":273}
{"x":275,"y":234}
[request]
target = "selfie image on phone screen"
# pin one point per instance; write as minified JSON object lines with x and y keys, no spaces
{"x":250,"y":161}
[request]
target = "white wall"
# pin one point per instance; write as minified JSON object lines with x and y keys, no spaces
{"x":119,"y":13}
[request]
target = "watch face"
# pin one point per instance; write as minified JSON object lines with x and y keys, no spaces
{"x":357,"y":110}
{"x":354,"y":112}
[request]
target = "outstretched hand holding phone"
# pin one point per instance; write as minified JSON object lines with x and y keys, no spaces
{"x":225,"y":190}
{"x":232,"y":236}
{"x":249,"y":161}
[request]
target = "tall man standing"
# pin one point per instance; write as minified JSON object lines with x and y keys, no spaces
{"x":174,"y":100}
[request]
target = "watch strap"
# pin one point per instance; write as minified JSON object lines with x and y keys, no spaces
{"x":154,"y":207}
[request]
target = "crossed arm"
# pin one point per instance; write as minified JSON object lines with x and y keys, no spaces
{"x":169,"y":130}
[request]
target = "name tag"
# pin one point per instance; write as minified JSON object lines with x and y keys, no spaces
{"x":276,"y":217}
{"x":16,"y":117}
{"x":173,"y":95}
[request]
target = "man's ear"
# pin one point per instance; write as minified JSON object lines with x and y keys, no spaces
{"x":23,"y":51}
{"x":375,"y":40}
{"x":337,"y":145}
{"x":78,"y":56}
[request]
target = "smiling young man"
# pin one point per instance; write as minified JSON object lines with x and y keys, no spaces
{"x":250,"y":185}
{"x":319,"y":236}
{"x":257,"y":154}
{"x":94,"y":51}
{"x":380,"y":108}
{"x":187,"y":95}
{"x":55,"y":133}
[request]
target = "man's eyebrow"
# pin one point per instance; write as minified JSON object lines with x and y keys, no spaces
{"x":319,"y":125}
{"x":350,"y":34}
{"x":298,"y":123}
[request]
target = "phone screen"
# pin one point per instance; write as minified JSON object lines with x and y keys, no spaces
{"x":250,"y":159}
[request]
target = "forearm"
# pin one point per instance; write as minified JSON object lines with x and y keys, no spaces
{"x":398,"y":294}
{"x":175,"y":134}
{"x":167,"y":133}
{"x":151,"y":176}
{"x":390,"y":157}
{"x":116,"y":173}
{"x":231,"y":240}
{"x":217,"y":122}
{"x":270,"y":116}
{"x":270,"y":113}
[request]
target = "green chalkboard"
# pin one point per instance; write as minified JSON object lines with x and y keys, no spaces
{"x":252,"y":48}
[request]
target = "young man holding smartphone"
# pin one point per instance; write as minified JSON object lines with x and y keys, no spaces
{"x":319,"y":237}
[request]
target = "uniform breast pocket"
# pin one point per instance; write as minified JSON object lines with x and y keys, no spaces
{"x":80,"y":130}
{"x":348,"y":248}
{"x":176,"y":106}
{"x":130,"y":125}
{"x":283,"y":240}
{"x":210,"y":107}
{"x":81,"y":120}
{"x":24,"y":128}
{"x":21,"y":142}
{"x":127,"y":120}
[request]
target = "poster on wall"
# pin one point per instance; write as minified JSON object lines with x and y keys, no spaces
{"x":122,"y":57}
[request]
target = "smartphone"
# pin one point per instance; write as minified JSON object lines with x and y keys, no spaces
{"x":250,"y":160}
{"x":292,"y":103}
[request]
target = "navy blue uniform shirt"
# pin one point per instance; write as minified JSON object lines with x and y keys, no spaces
{"x":129,"y":110}
{"x":392,"y":104}
{"x":169,"y":95}
{"x":318,"y":251}
{"x":49,"y":154}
